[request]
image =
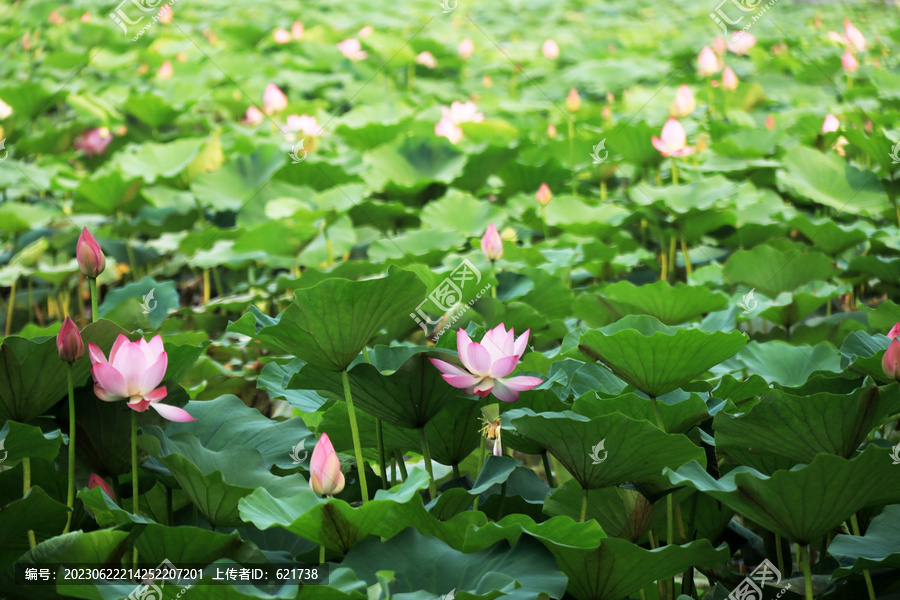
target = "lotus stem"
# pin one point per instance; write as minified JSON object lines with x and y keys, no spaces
{"x":682,"y":536}
{"x":675,"y":171}
{"x":687,"y":259}
{"x":12,"y":305}
{"x":584,"y":503}
{"x":854,"y":523}
{"x":494,"y":275}
{"x":572,"y":152}
{"x":321,"y":555}
{"x":779,"y":555}
{"x":544,"y":221}
{"x":502,"y":501}
{"x":70,"y":494}
{"x":603,"y":190}
{"x":207,"y":292}
{"x":354,"y":430}
{"x":26,"y":487}
{"x":95,"y":300}
{"x":480,"y":465}
{"x":426,"y":456}
{"x":456,"y":472}
{"x":672,"y":255}
{"x":401,"y":465}
{"x":170,"y":513}
{"x":217,"y":279}
{"x":670,"y":510}
{"x":134,"y":475}
{"x":807,"y":573}
{"x":548,"y":468}
{"x":382,"y":465}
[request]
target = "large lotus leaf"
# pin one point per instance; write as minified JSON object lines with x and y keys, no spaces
{"x":617,"y":569}
{"x":409,"y":397}
{"x":621,"y":512}
{"x":655,"y":358}
{"x":477,"y":533}
{"x":772,"y":271}
{"x":411,"y":164}
{"x":216,"y":480}
{"x":677,"y":418}
{"x":799,"y":427}
{"x":140,"y":304}
{"x":790,"y":308}
{"x":830,"y":237}
{"x":18,"y":441}
{"x":633,"y":451}
{"x":879,"y":547}
{"x":670,"y":304}
{"x":108,"y":190}
{"x":193,"y":545}
{"x":421,"y":562}
{"x":150,"y":161}
{"x":804,"y":503}
{"x":37,"y":512}
{"x":274,"y":379}
{"x":35,"y":378}
{"x":329,"y":324}
{"x":227,"y":421}
{"x":789,"y":365}
{"x":829,"y":180}
{"x":240,"y":180}
{"x":465,"y":214}
{"x":862,"y":353}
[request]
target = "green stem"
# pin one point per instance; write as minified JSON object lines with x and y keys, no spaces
{"x":675,"y":171}
{"x":134,"y":475}
{"x":217,"y":279}
{"x":26,"y":487}
{"x":584,"y":503}
{"x":401,"y":465}
{"x":70,"y":495}
{"x":779,"y":555}
{"x":572,"y":152}
{"x":807,"y":573}
{"x":426,"y":455}
{"x":354,"y":430}
{"x":854,"y":523}
{"x":382,"y":465}
{"x":95,"y":300}
{"x":494,"y":275}
{"x":170,"y":513}
{"x":548,"y":468}
{"x":544,"y":222}
{"x":456,"y":473}
{"x":502,"y":501}
{"x":670,"y":505}
{"x":321,"y":555}
{"x":9,"y":310}
{"x":480,"y":465}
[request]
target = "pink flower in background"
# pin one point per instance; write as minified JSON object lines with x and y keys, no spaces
{"x":274,"y":99}
{"x":466,"y":48}
{"x":543,"y":195}
{"x":855,"y":39}
{"x":448,"y":129}
{"x":96,"y":481}
{"x":741,"y":42}
{"x":55,"y":18}
{"x":550,"y":49}
{"x":253,"y":116}
{"x":770,"y":122}
{"x":573,"y":100}
{"x":165,"y":14}
{"x":894,"y":333}
{"x":86,"y":17}
{"x":684,"y":103}
{"x":297,"y":30}
{"x":133,"y":371}
{"x":672,"y":140}
{"x":282,"y":36}
{"x":325,"y":477}
{"x":91,"y":260}
{"x":352,"y":49}
{"x":707,"y":62}
{"x":491,"y":244}
{"x":719,"y":46}
{"x":94,"y":141}
{"x":849,"y":62}
{"x":729,"y":80}
{"x":551,"y":131}
{"x":459,"y":112}
{"x":890,"y":362}
{"x":488,"y":364}
{"x":69,"y":342}
{"x":5,"y":110}
{"x":165,"y":70}
{"x":427,"y":59}
{"x":365,"y":32}
{"x":305,"y":124}
{"x":830,"y":123}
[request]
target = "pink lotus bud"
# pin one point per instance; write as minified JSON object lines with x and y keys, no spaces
{"x":684,"y":103}
{"x":352,"y":49}
{"x":69,"y":342}
{"x":770,"y":122}
{"x":729,"y":80}
{"x":891,"y":360}
{"x":606,"y":113}
{"x":365,"y":32}
{"x":868,"y":126}
{"x":550,"y":49}
{"x":719,"y":46}
{"x":325,"y":477}
{"x":274,"y":99}
{"x":855,"y":39}
{"x":849,"y":62}
{"x":707,"y":62}
{"x":165,"y":70}
{"x":491,"y":244}
{"x":305,"y":124}
{"x":741,"y":42}
{"x":55,"y":18}
{"x":165,"y":14}
{"x":672,"y":140}
{"x":282,"y":36}
{"x":96,"y":481}
{"x":297,"y":30}
{"x":94,"y":141}
{"x":551,"y":131}
{"x":466,"y":48}
{"x":90,"y":257}
{"x":544,"y":194}
{"x":426,"y":59}
{"x":573,"y":100}
{"x":86,"y":17}
{"x":894,"y":333}
{"x":830,"y":123}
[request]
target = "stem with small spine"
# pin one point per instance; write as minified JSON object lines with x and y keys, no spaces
{"x":426,"y":456}
{"x":854,"y":523}
{"x":354,"y":430}
{"x":70,"y":494}
{"x":134,"y":475}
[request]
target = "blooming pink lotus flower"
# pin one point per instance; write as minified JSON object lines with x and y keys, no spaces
{"x":890,"y":362}
{"x":459,"y":112}
{"x":96,"y":481}
{"x":305,"y":124}
{"x":491,"y":244}
{"x":133,"y":371}
{"x":325,"y":477}
{"x":297,"y":30}
{"x":684,"y":103}
{"x":830,"y":123}
{"x":770,"y":122}
{"x":849,"y":62}
{"x":90,"y":257}
{"x":352,"y":49}
{"x":672,"y":140}
{"x":707,"y":62}
{"x":729,"y":80}
{"x":253,"y":116}
{"x":274,"y":99}
{"x":544,"y":195}
{"x":855,"y":39}
{"x":446,"y":128}
{"x":5,"y":110}
{"x":69,"y":342}
{"x":427,"y":59}
{"x":719,"y":46}
{"x":488,"y":364}
{"x":573,"y":100}
{"x":550,"y":49}
{"x":466,"y":48}
{"x":741,"y":42}
{"x":165,"y":70}
{"x":281,"y":35}
{"x":93,"y":142}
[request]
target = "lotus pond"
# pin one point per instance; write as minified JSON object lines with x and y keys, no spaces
{"x":442,"y":299}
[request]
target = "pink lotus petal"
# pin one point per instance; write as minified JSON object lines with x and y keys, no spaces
{"x":522,"y":382}
{"x":156,"y":395}
{"x":96,"y":354}
{"x":105,"y":395}
{"x":484,"y":388}
{"x":111,"y":381}
{"x":521,"y":343}
{"x":463,"y":382}
{"x":172,"y":413}
{"x":139,"y":406}
{"x":120,"y":341}
{"x":155,"y":373}
{"x":448,"y":368}
{"x":504,"y":366}
{"x":502,"y":392}
{"x":462,"y":344}
{"x":131,"y":364}
{"x":479,"y":359}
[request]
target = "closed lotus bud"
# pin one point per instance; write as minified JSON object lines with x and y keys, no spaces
{"x":550,"y":49}
{"x":544,"y":194}
{"x":891,"y":360}
{"x":684,"y":103}
{"x":894,"y":333}
{"x":707,"y":62}
{"x":770,"y":122}
{"x":274,"y":99}
{"x":96,"y":481}
{"x":855,"y":39}
{"x":729,"y":80}
{"x":573,"y":100}
{"x":830,"y":124}
{"x":551,"y":131}
{"x":282,"y":36}
{"x":91,"y":259}
{"x":466,"y":48}
{"x":849,"y":62}
{"x":69,"y":342}
{"x":325,"y":477}
{"x":491,"y":244}
{"x":297,"y":30}
{"x":719,"y":45}
{"x":165,"y":70}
